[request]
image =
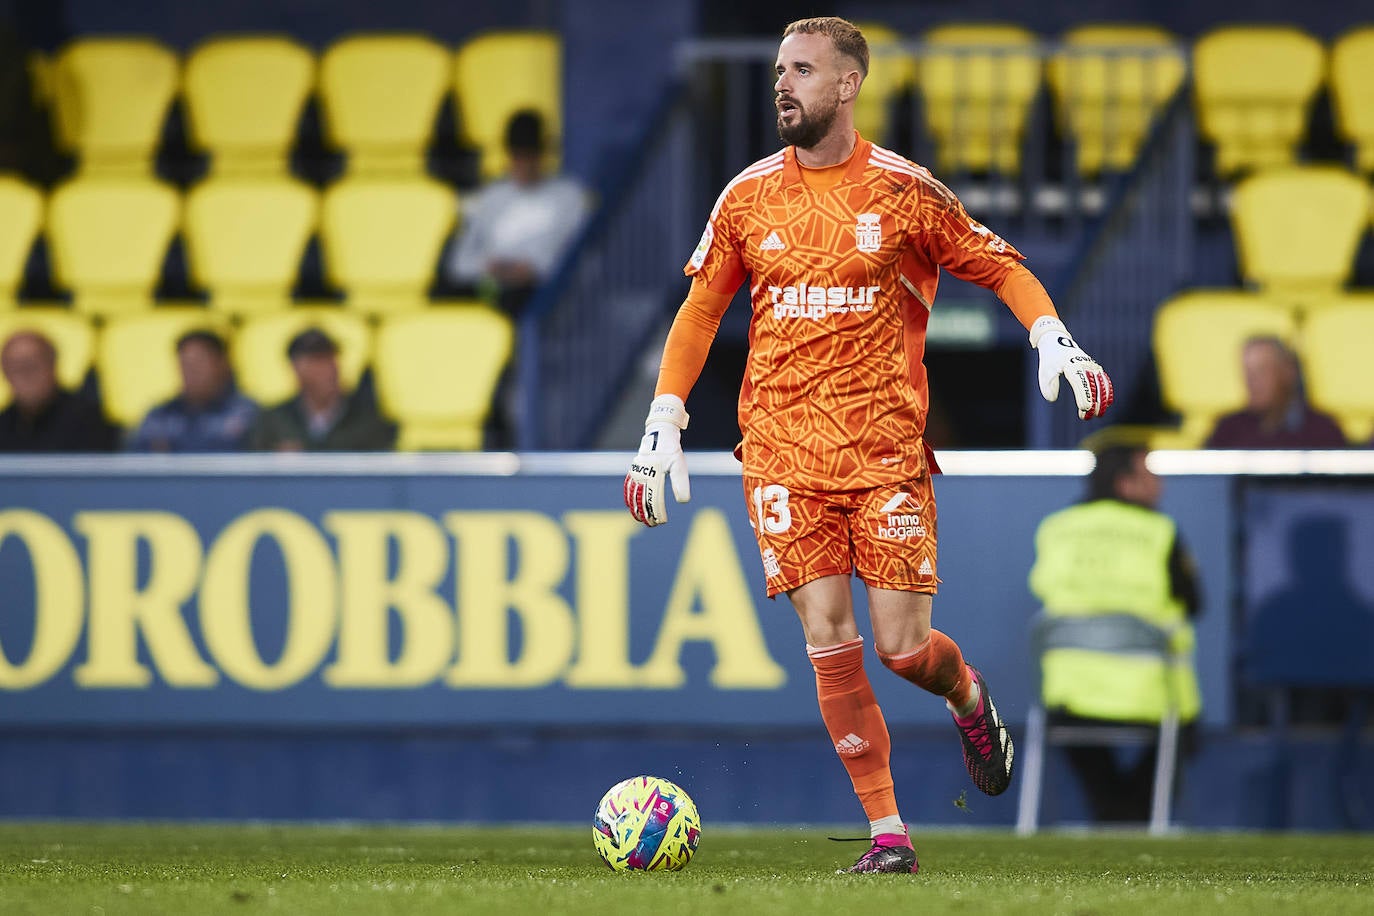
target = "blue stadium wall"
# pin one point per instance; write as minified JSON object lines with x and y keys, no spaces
{"x":394,"y":638}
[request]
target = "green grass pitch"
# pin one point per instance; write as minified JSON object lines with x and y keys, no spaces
{"x":147,"y":869}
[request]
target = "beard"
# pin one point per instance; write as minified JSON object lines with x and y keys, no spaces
{"x":810,"y":127}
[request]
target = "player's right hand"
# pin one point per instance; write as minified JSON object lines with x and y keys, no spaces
{"x":659,"y":459}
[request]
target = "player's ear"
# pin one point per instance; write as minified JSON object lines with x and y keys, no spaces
{"x":849,"y":85}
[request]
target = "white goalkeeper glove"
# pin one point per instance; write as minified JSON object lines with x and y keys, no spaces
{"x":1059,"y":355}
{"x":660,"y":456}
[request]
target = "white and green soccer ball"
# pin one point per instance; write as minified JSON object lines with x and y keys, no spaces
{"x":646,"y":823}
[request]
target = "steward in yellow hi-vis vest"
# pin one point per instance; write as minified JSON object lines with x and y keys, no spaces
{"x":1115,"y":554}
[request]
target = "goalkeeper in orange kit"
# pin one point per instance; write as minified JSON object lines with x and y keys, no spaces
{"x":842,"y":243}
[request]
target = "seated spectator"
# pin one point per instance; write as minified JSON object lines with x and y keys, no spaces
{"x":322,"y":417}
{"x":210,"y":414}
{"x":43,"y":417}
{"x":1116,"y":555}
{"x":516,"y":230}
{"x":1277,"y":414}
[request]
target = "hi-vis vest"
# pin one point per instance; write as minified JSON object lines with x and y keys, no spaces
{"x":1107,"y":557}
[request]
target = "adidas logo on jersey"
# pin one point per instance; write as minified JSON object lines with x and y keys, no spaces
{"x":773,"y":242}
{"x":850,"y":745}
{"x":925,"y":570}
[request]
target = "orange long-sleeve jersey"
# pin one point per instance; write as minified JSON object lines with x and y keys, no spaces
{"x":843,"y":272}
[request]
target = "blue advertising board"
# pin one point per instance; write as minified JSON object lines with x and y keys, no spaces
{"x":1307,"y":589}
{"x":413,"y":591}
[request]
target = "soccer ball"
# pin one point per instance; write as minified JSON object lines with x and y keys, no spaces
{"x":645,"y":824}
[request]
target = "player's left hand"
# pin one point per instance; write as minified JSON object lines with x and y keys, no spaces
{"x":1059,"y":355}
{"x":660,"y":457}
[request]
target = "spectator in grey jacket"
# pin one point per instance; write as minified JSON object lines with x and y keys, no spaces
{"x":516,"y":230}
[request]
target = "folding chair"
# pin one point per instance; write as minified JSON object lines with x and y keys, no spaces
{"x":1128,"y":636}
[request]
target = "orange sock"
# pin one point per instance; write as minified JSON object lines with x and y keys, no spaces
{"x":855,"y":723}
{"x":936,"y":665}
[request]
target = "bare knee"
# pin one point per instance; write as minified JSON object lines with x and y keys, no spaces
{"x":901,"y":620}
{"x":826,"y":610}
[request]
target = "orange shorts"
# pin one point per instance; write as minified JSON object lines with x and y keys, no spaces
{"x":886,"y":534}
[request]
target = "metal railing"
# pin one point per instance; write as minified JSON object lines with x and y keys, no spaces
{"x":1136,"y":256}
{"x":584,"y":333}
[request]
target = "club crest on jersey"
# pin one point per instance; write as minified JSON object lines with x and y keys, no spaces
{"x":868,"y":232}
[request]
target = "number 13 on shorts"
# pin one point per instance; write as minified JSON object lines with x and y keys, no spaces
{"x":771,"y":513}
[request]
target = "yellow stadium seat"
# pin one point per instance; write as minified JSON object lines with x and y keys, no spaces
{"x":1297,"y":228}
{"x":380,"y":95}
{"x":245,"y":238}
{"x":1336,"y":363}
{"x":382,"y":239}
{"x":136,"y":359}
{"x":259,"y":349}
{"x":1254,"y":87}
{"x":1109,"y":82}
{"x":1352,"y":92}
{"x":107,"y":238}
{"x":436,"y":372}
{"x":1198,"y":338}
{"x":499,"y":73}
{"x":22,"y":205}
{"x":891,"y":70}
{"x":111,"y":97}
{"x":71,"y":334}
{"x":978,"y":83}
{"x":244,"y":97}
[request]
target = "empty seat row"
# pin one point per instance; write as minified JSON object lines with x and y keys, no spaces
{"x":978,"y":83}
{"x":434,"y":371}
{"x":379,"y":96}
{"x":1298,"y":230}
{"x":107,"y":237}
{"x":1253,"y":90}
{"x":1199,"y":334}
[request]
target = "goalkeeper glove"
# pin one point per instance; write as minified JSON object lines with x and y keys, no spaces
{"x":1059,"y":355}
{"x":660,"y":456}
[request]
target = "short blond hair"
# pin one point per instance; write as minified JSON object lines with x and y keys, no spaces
{"x":846,"y":37}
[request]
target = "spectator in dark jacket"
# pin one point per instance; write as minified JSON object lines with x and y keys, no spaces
{"x":43,"y":417}
{"x":1276,"y":414}
{"x":210,"y":414}
{"x":322,"y":417}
